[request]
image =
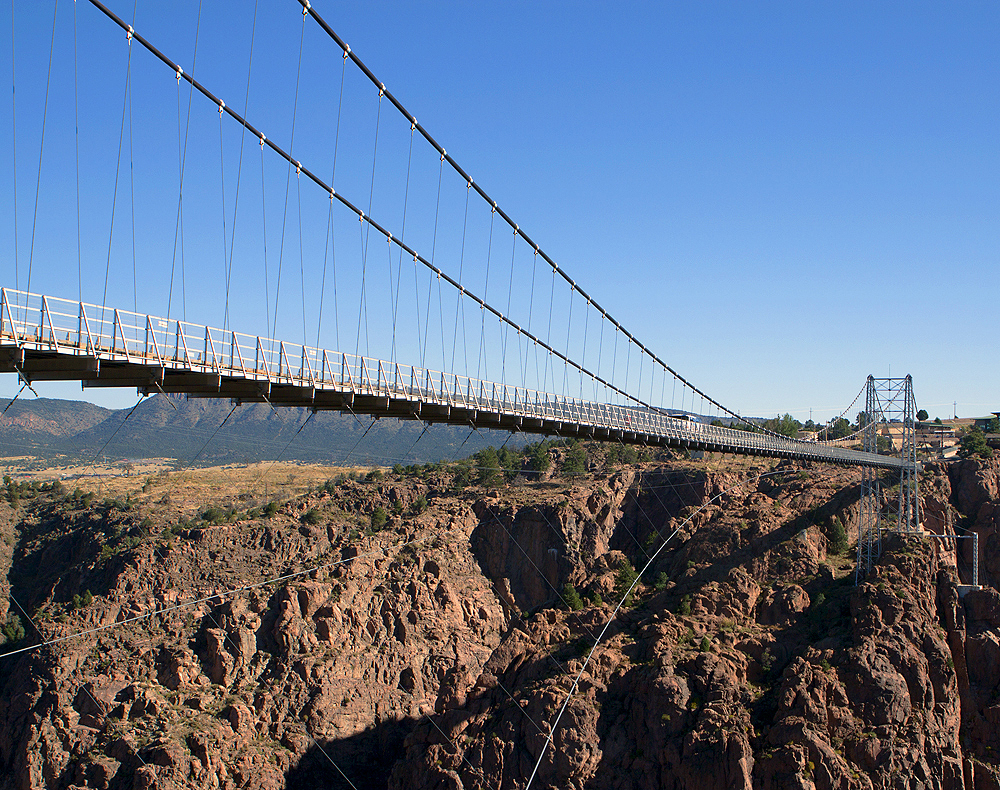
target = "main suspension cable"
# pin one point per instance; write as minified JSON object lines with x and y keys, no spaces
{"x":310,"y":11}
{"x":417,"y":258}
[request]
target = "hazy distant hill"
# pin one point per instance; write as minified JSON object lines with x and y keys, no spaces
{"x":39,"y":426}
{"x":190,"y":431}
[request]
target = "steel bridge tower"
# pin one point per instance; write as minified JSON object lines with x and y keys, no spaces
{"x":889,"y":420}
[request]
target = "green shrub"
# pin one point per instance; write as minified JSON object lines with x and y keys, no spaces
{"x":13,"y":630}
{"x":661,"y":581}
{"x":213,"y":515}
{"x":624,"y":579}
{"x":767,"y":660}
{"x":312,"y":516}
{"x":271,"y":508}
{"x":419,"y":505}
{"x":684,"y":608}
{"x":837,"y":538}
{"x":489,"y":467}
{"x":463,"y":474}
{"x":706,"y":644}
{"x":575,"y":462}
{"x":538,"y":457}
{"x":379,"y":518}
{"x":571,"y":597}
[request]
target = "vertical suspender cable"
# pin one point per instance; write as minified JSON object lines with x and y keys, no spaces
{"x":361,"y":300}
{"x":569,"y":329}
{"x":583,"y":357}
{"x":638,"y":387}
{"x":76,"y":135}
{"x":614,"y":358}
{"x":486,"y":288}
{"x":263,"y":233}
{"x":131,"y":183}
{"x":510,"y":291}
{"x":13,"y":139}
{"x":288,"y":175}
{"x":239,"y":170}
{"x":430,"y":275}
{"x":392,"y":302}
{"x":330,"y":234}
{"x":394,"y":297}
{"x":114,"y":194}
{"x":302,"y":257}
{"x":41,"y":148}
{"x":366,"y":230}
{"x":628,"y":363}
{"x":521,"y":352}
{"x":181,"y":162}
{"x":600,"y":354}
{"x":444,"y":358}
{"x":548,"y":335}
{"x":531,"y":305}
{"x":460,"y":301}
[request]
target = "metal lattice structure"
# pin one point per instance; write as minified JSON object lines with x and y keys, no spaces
{"x":889,"y":421}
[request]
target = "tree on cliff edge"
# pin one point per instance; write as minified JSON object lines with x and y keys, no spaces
{"x":974,"y":443}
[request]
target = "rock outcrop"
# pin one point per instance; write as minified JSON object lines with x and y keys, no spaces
{"x":412,"y":632}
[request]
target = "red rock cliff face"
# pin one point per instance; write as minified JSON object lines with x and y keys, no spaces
{"x":437,"y":651}
{"x":974,"y":494}
{"x":241,"y":690}
{"x":721,"y":683}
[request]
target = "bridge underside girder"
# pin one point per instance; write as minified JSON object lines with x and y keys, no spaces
{"x":92,"y":371}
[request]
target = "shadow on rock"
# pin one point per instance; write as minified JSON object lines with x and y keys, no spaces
{"x":365,"y":759}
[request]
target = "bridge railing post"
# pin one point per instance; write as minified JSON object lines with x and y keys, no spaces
{"x":324,"y":367}
{"x":151,"y":336}
{"x":47,"y":316}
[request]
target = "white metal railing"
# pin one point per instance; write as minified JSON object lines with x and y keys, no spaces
{"x":69,"y":328}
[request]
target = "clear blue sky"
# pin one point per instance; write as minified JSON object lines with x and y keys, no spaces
{"x":778,"y":198}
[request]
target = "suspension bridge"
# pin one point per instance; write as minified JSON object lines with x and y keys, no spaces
{"x":439,"y":306}
{"x":600,"y":383}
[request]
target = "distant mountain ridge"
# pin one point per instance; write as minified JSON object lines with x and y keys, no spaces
{"x":198,"y":431}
